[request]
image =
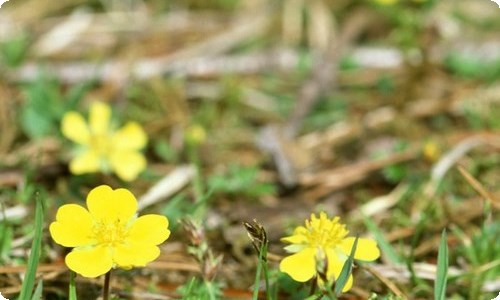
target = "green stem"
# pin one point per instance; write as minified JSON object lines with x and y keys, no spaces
{"x":72,"y":286}
{"x":210,"y":289}
{"x":266,"y":270}
{"x":105,"y":290}
{"x":255,"y":294}
{"x":261,"y":267}
{"x":197,"y":182}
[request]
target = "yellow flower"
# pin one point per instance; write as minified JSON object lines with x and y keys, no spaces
{"x":392,"y":2}
{"x":319,"y":238}
{"x":109,"y":234}
{"x":431,"y":151}
{"x":101,"y":147}
{"x":196,"y":134}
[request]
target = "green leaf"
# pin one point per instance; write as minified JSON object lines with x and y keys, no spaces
{"x":35,"y":124}
{"x":165,"y":151}
{"x":473,"y":66}
{"x":346,"y":270}
{"x":42,"y":102}
{"x":29,"y":279}
{"x":37,"y":295}
{"x":442,"y":269}
{"x":6,"y":235}
{"x":76,"y":94}
{"x":13,"y":50}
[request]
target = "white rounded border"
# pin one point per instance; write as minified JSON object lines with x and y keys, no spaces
{"x":2,"y":2}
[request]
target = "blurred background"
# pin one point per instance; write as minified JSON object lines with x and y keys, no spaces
{"x":266,"y":110}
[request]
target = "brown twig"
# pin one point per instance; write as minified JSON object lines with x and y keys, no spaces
{"x":389,"y":284}
{"x":274,"y":140}
{"x":478,"y":187}
{"x":324,"y":73}
{"x":338,"y":178}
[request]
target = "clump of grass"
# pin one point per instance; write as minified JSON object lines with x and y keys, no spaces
{"x":482,"y":253}
{"x":205,"y":287}
{"x":30,"y":276}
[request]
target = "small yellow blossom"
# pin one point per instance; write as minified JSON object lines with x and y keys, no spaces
{"x":319,"y":238}
{"x":386,"y":2}
{"x":196,"y":134}
{"x":101,"y":147}
{"x":109,"y":234}
{"x":392,"y":2}
{"x":431,"y":151}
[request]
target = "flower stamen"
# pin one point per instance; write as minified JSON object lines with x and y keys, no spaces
{"x":109,"y":233}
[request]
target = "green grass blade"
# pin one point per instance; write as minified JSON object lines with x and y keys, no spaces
{"x":385,"y":246}
{"x":442,"y":269}
{"x":346,"y":270}
{"x":72,"y":286}
{"x":260,"y":268}
{"x":6,"y":234}
{"x":37,"y":295}
{"x":29,"y":279}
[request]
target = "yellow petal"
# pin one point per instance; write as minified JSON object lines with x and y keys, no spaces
{"x":149,"y":230}
{"x":74,"y":127}
{"x":348,"y":284}
{"x":86,"y":162}
{"x":99,"y":118}
{"x":110,"y":205}
{"x":301,"y":266}
{"x":127,"y":164}
{"x":131,"y":136}
{"x":91,"y":262}
{"x":335,"y":265}
{"x":134,"y":255}
{"x":295,"y":239}
{"x":73,"y":226}
{"x":366,"y":249}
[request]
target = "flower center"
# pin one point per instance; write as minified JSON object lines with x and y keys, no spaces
{"x":110,"y":233}
{"x":101,"y":144}
{"x":325,"y":233}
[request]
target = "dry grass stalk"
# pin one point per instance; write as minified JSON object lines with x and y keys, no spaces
{"x":479,"y":188}
{"x":388,"y":283}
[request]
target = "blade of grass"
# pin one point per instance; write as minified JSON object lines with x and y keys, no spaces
{"x":29,"y":279}
{"x":266,"y":272}
{"x":37,"y":295}
{"x":72,"y":286}
{"x":382,"y":242}
{"x":442,"y":269}
{"x":346,"y":270}
{"x":258,"y":236}
{"x":6,"y":234}
{"x":420,"y":228}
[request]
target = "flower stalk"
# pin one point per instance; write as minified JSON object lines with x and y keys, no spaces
{"x":260,"y":242}
{"x":106,"y":289}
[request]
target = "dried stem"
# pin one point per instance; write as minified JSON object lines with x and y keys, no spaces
{"x":105,"y":290}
